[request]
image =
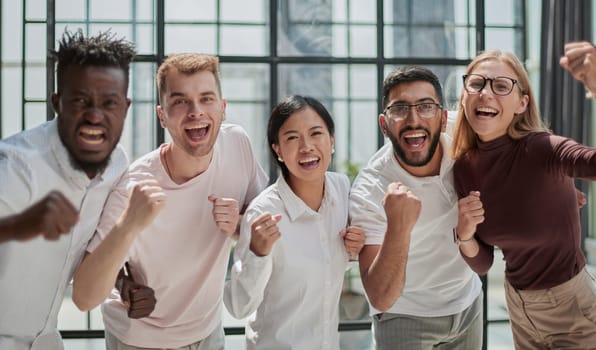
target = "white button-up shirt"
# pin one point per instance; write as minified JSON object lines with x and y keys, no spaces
{"x":295,"y":290}
{"x":35,"y":274}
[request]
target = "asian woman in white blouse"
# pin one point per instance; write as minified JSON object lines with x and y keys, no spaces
{"x":294,"y":243}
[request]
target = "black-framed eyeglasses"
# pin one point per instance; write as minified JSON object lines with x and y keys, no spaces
{"x":501,"y":86}
{"x":400,"y":111}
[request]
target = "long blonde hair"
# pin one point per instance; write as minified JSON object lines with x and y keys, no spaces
{"x":464,"y":137}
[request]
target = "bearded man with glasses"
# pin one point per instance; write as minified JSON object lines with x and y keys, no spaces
{"x":406,"y":202}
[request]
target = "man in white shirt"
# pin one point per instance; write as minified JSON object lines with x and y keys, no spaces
{"x":209,"y":174}
{"x":55,"y":179}
{"x":421,"y":292}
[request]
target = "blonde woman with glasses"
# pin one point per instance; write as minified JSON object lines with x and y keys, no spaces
{"x":515,"y":181}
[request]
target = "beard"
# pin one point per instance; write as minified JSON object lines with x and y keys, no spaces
{"x":89,"y":167}
{"x":401,"y":154}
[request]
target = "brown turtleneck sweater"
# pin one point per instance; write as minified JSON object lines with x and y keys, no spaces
{"x":531,"y":211}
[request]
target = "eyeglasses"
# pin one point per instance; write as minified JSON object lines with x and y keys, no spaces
{"x":501,"y":86}
{"x":400,"y":111}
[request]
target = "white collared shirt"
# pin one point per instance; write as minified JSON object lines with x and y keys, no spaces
{"x":35,"y":274}
{"x":295,"y":290}
{"x":438,"y":281}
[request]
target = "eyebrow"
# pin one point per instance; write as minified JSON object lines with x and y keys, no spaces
{"x":316,"y":127}
{"x":181,"y":94}
{"x":420,"y":100}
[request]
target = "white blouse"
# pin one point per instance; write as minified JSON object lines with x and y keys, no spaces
{"x":295,"y":290}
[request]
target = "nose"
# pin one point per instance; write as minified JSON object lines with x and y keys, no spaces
{"x":94,"y":115}
{"x":305,"y":145}
{"x":194,"y":109}
{"x":487,"y":88}
{"x":412,"y":115}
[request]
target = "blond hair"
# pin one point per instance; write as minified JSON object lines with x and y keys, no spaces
{"x":464,"y":137}
{"x":187,"y":63}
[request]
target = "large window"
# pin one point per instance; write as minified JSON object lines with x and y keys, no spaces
{"x":335,"y":50}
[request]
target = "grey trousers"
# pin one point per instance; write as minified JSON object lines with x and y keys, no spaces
{"x":214,"y":341}
{"x":459,"y":331}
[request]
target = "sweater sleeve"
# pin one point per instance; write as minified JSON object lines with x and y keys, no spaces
{"x":571,"y":158}
{"x":482,"y":262}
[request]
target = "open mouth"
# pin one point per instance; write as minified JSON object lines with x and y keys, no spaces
{"x":197,"y":133}
{"x":309,"y":163}
{"x":416,"y":139}
{"x":486,"y":112}
{"x":91,"y":136}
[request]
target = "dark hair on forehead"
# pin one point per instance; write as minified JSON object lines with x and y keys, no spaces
{"x":103,"y":49}
{"x":410,"y":74}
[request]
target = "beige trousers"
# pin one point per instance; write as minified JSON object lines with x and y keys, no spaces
{"x":561,"y":317}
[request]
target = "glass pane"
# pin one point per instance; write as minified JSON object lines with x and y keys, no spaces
{"x":36,"y":9}
{"x":70,"y":10}
{"x":339,"y":43}
{"x":304,"y":28}
{"x":36,"y":43}
{"x":120,"y":30}
{"x":464,"y":12}
{"x":244,"y":40}
{"x":144,"y":39}
{"x":145,"y":10}
{"x":361,"y":142}
{"x":138,"y":137}
{"x":189,"y":38}
{"x":190,"y":10}
{"x":363,"y":11}
{"x":402,"y":41}
{"x":505,"y":39}
{"x":244,"y":11}
{"x":246,"y":89}
{"x":363,"y":79}
{"x":35,"y":114}
{"x":503,"y":12}
{"x":11,"y":100}
{"x":104,"y":10}
{"x":35,"y":78}
{"x":12,"y":34}
{"x":363,"y":41}
{"x":339,"y":11}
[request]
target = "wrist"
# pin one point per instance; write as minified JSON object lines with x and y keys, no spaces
{"x":459,"y":241}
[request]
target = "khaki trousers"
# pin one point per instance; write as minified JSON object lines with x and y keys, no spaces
{"x":561,"y":317}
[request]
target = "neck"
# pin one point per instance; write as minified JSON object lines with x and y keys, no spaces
{"x":311,"y":192}
{"x":182,"y":167}
{"x":432,"y":168}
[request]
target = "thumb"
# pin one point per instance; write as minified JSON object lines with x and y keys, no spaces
{"x":475,"y":193}
{"x":276,"y":217}
{"x":343,"y":233}
{"x":212,"y":198}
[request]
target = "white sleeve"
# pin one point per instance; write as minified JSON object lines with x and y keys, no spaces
{"x":366,"y":208}
{"x":249,"y":276}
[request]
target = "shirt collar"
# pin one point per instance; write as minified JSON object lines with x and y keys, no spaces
{"x":296,"y":206}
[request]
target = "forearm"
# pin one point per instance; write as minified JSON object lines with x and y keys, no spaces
{"x":384,"y":279}
{"x":96,"y":275}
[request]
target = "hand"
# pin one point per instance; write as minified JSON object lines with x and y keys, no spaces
{"x":580,"y":60}
{"x":353,"y":240}
{"x":401,"y":206}
{"x":145,"y":201}
{"x":52,"y":216}
{"x":264,"y":233}
{"x":139,"y":298}
{"x":225,"y":214}
{"x":471,"y":214}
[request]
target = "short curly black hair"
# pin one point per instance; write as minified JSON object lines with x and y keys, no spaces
{"x":104,"y":49}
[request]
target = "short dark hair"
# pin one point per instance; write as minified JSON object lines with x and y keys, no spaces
{"x":409,"y":74}
{"x":100,"y":50}
{"x":284,"y":110}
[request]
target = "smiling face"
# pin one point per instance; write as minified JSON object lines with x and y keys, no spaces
{"x":490,"y":115}
{"x":415,"y":139}
{"x":91,"y":106}
{"x":192,"y":110}
{"x":305,"y":146}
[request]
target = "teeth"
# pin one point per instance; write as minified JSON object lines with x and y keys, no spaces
{"x":200,"y":126}
{"x":418,"y":134}
{"x":486,"y":110}
{"x":307,"y":160}
{"x":90,"y":131}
